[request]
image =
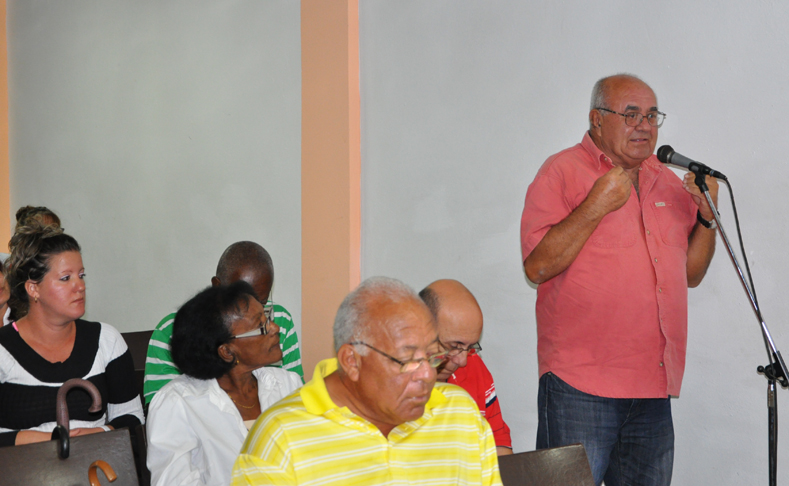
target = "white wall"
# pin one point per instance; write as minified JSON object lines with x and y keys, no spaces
{"x":462,"y":101}
{"x":160,"y":132}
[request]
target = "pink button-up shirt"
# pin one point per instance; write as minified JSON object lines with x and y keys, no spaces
{"x":614,"y":323}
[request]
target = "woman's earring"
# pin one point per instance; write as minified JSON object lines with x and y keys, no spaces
{"x":36,"y":299}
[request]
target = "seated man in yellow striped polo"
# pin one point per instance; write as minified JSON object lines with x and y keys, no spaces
{"x":374,"y":415}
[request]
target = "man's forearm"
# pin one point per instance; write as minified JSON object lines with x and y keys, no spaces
{"x":561,"y":245}
{"x":564,"y":241}
{"x":701,"y":248}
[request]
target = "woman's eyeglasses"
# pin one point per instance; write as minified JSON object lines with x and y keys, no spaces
{"x":268,"y":313}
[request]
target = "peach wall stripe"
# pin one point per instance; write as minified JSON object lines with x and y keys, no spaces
{"x":330,"y":169}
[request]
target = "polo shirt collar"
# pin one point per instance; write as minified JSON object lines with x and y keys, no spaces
{"x":314,"y":394}
{"x":317,"y":400}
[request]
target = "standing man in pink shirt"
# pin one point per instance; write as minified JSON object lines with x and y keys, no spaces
{"x":613,"y":239}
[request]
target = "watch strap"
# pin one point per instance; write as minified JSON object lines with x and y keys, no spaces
{"x":707,"y":224}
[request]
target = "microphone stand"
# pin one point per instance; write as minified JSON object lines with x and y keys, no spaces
{"x":776,"y":370}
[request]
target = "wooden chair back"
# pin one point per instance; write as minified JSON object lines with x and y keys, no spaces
{"x":140,"y":438}
{"x":138,"y":347}
{"x":560,"y":466}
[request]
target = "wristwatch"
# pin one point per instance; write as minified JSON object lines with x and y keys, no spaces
{"x":707,"y":224}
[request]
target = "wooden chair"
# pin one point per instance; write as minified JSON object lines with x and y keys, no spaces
{"x":140,"y":440}
{"x":560,"y":466}
{"x":39,"y":463}
{"x":138,"y":347}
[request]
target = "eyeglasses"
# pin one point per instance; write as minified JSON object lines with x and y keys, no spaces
{"x":453,"y":351}
{"x":409,"y":365}
{"x":634,"y":118}
{"x":268,"y":313}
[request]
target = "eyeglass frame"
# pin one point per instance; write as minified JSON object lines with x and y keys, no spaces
{"x":453,"y":351}
{"x":628,"y":116}
{"x":441,"y":357}
{"x":268,"y":311}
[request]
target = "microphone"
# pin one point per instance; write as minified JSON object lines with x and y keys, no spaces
{"x":667,"y":155}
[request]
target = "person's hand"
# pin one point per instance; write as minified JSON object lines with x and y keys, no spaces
{"x":85,"y":431}
{"x":689,"y":183}
{"x":31,"y":437}
{"x":611,"y":191}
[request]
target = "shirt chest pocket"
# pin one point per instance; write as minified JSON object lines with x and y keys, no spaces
{"x":616,"y":230}
{"x":672,"y":223}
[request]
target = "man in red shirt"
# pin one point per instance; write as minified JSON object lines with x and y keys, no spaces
{"x":459,"y":321}
{"x":614,"y":239}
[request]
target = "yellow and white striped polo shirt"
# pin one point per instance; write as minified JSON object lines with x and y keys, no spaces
{"x":306,"y":439}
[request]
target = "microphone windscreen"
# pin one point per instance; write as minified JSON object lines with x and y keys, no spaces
{"x":664,"y":154}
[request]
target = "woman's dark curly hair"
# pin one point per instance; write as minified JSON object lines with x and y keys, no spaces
{"x":32,"y":249}
{"x":203,"y":324}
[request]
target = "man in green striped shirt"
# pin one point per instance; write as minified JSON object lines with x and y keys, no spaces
{"x":243,"y":260}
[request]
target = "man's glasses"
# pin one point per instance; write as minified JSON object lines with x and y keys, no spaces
{"x":409,"y":365}
{"x":453,"y":351}
{"x":268,"y":314}
{"x":634,"y":118}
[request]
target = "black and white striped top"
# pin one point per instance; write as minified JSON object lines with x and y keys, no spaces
{"x":29,"y":383}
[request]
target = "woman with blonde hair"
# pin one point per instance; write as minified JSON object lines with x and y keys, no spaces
{"x":25,"y":216}
{"x":50,"y":344}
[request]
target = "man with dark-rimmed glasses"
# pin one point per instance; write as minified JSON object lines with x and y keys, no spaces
{"x":374,"y":414}
{"x":613,"y":239}
{"x":459,"y":320}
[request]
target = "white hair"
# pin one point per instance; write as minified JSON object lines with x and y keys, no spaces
{"x":350,"y":324}
{"x":600,"y":90}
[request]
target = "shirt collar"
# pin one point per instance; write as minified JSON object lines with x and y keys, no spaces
{"x":597,"y":155}
{"x":317,"y":400}
{"x":314,"y":394}
{"x":604,"y":161}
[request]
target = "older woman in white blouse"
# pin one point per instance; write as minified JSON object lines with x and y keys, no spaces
{"x":222,"y":340}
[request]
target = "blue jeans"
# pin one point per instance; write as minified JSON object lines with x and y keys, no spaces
{"x":628,"y":441}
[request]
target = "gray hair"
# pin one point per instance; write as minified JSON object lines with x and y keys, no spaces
{"x":600,"y":90}
{"x":351,"y":322}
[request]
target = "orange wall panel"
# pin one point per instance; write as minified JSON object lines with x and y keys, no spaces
{"x":331,"y":169}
